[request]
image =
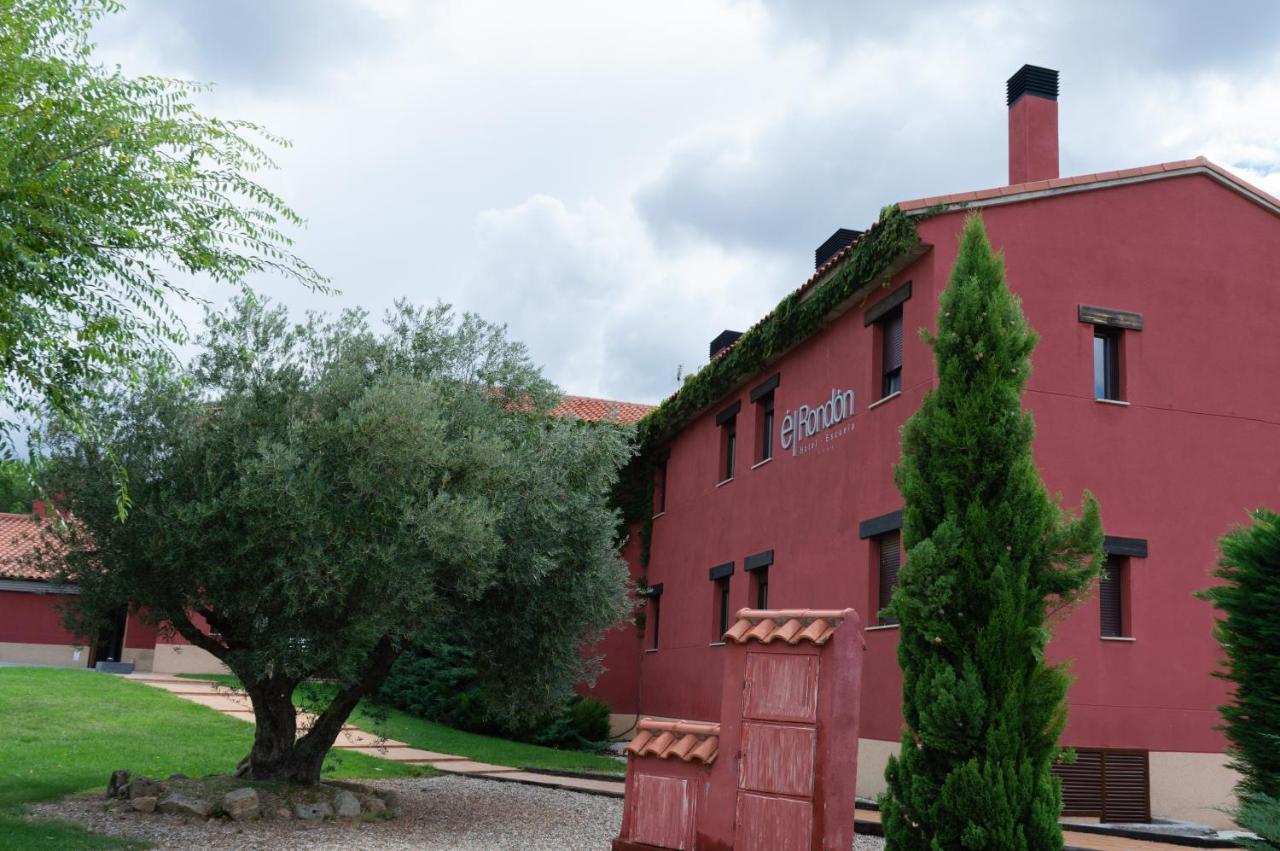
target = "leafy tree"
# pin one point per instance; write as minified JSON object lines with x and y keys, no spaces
{"x":1249,"y":631}
{"x":989,"y":557}
{"x":108,"y":186}
{"x":16,"y":490}
{"x":324,"y":495}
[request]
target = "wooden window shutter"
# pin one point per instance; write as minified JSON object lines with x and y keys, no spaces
{"x":1112,"y":785}
{"x":1081,"y":784}
{"x":893,"y":341}
{"x":1126,"y":787}
{"x":1111,"y":598}
{"x":890,"y":559}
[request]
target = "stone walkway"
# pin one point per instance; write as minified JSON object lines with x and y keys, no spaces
{"x":236,"y":703}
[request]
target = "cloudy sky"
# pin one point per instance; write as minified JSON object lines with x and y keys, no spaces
{"x":619,"y":182}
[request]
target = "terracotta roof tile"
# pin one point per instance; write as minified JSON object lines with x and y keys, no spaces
{"x":595,"y":410}
{"x":687,"y":741}
{"x":788,"y":625}
{"x":1175,"y":167}
{"x":19,"y":537}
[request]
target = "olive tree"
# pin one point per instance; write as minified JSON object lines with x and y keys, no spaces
{"x":322,"y":495}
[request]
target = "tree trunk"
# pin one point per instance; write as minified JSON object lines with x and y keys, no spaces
{"x":278,"y":753}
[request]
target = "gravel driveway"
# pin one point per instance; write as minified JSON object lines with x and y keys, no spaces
{"x":461,"y":813}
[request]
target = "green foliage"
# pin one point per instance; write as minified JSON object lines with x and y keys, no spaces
{"x":988,"y":554}
{"x":16,"y":486}
{"x":1259,"y":813}
{"x":1249,"y":630}
{"x":439,"y":681}
{"x":796,"y":318}
{"x":326,"y":496}
{"x":108,"y":185}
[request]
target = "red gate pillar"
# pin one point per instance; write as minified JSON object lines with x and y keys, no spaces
{"x":783,"y":767}
{"x":787,"y":777}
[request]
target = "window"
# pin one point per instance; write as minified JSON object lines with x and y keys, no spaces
{"x":890,"y":328}
{"x":766,"y":427}
{"x":762,"y":397}
{"x":719,"y":576}
{"x":655,"y":619}
{"x":1112,"y":597}
{"x":758,"y":566}
{"x":889,"y":556}
{"x":729,"y":444}
{"x":760,"y":581}
{"x":660,"y":489}
{"x":727,"y":420}
{"x":1106,"y":363}
{"x":722,"y":607}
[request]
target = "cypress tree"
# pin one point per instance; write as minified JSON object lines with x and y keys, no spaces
{"x":990,"y":558}
{"x":1249,"y":630}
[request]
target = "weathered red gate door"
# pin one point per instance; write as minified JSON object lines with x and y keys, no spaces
{"x":776,"y":766}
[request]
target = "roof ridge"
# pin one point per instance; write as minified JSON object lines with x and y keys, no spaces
{"x":1037,"y":188}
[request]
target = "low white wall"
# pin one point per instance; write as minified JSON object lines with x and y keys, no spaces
{"x":185,"y":659}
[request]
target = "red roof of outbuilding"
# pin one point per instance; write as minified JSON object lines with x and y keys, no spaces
{"x":687,"y":741}
{"x":594,"y":410}
{"x":19,"y":537}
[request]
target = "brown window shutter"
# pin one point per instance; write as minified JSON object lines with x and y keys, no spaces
{"x":890,"y":559}
{"x":1110,"y":598}
{"x":1081,"y":784}
{"x":1112,"y":785}
{"x":893,"y":340}
{"x":1127,"y":795}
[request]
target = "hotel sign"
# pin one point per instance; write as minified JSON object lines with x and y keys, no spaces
{"x":801,"y":426}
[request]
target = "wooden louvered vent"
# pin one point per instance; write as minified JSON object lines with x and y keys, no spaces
{"x":1112,"y":785}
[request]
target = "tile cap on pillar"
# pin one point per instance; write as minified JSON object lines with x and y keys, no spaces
{"x":788,"y":625}
{"x":688,"y":741}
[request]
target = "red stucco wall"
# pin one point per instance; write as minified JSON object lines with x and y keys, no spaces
{"x":1198,"y":445}
{"x":33,"y":619}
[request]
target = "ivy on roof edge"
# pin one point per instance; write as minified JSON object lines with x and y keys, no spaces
{"x":796,"y":318}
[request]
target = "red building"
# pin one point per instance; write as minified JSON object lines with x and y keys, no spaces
{"x":1154,"y":294}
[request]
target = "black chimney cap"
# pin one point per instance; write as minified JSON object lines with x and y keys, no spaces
{"x":842,"y":238}
{"x":1032,"y":80}
{"x":723,"y":340}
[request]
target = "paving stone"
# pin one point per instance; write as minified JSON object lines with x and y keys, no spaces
{"x":466,"y":766}
{"x":574,"y":784}
{"x":219,"y":702}
{"x":403,"y":754}
{"x":359,"y":738}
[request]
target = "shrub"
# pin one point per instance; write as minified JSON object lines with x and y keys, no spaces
{"x":441,"y":683}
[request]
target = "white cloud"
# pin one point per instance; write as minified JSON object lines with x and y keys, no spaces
{"x":619,"y":183}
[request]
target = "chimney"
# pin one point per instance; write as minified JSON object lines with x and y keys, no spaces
{"x":1033,"y":124}
{"x":723,"y":340}
{"x":837,"y":242}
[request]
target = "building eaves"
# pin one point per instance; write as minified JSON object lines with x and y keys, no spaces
{"x":1089,"y":182}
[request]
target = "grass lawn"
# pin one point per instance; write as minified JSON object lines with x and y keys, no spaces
{"x":65,"y":731}
{"x":431,"y":736}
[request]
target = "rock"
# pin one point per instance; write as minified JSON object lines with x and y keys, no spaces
{"x":283,"y":813}
{"x":346,"y":805}
{"x":392,"y":799}
{"x":119,"y":780}
{"x":311,"y":812}
{"x":242,"y":804}
{"x":143,"y":805}
{"x":180,"y":776}
{"x":145,"y":787}
{"x":375,"y":805}
{"x":185,"y":805}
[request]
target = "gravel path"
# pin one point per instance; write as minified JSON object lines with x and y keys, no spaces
{"x":463,"y":813}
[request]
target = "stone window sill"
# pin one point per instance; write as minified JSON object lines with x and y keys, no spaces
{"x":879,"y":402}
{"x":882,"y":626}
